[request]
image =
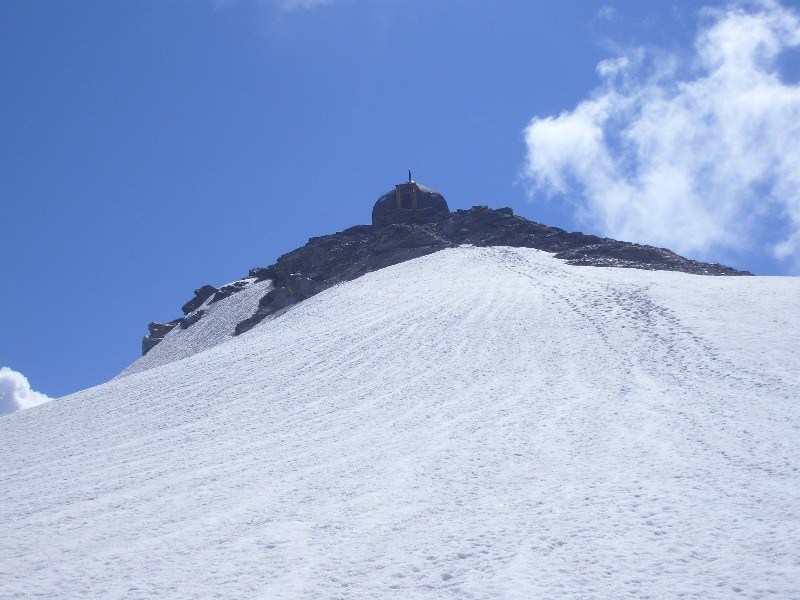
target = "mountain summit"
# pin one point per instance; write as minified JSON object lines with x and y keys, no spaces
{"x":410,"y":221}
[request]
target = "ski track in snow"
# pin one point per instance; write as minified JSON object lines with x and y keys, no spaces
{"x":476,"y":423}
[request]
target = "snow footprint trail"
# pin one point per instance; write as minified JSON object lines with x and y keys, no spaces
{"x":480,"y":422}
{"x":684,"y":395}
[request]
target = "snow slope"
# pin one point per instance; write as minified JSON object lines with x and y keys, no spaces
{"x":214,"y":327}
{"x":476,"y":423}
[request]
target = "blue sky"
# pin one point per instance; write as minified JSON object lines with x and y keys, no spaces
{"x":148,"y":148}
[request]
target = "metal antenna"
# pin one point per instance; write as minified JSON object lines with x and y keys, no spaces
{"x":409,"y":176}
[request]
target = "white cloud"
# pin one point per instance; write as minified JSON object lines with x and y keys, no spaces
{"x":16,"y":393}
{"x":612,"y":66}
{"x":698,"y":153}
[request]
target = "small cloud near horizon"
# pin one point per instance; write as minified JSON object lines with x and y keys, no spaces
{"x":697,"y":152}
{"x":16,"y":393}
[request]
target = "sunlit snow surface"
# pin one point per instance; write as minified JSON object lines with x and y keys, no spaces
{"x":218,"y":325}
{"x":477,"y":423}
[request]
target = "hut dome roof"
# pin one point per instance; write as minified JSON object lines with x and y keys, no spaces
{"x":430,"y":205}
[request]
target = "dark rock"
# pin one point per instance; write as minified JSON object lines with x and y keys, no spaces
{"x":161,"y":329}
{"x":250,"y":322}
{"x":227,"y":290}
{"x":300,"y":287}
{"x":157,"y":333}
{"x":262,"y":273}
{"x":200,"y":295}
{"x":193,"y":318}
{"x":289,"y":290}
{"x":220,"y":295}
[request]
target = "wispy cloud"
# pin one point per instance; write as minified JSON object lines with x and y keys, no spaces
{"x":606,"y":13}
{"x":16,"y":393}
{"x":700,"y":152}
{"x":302,"y":4}
{"x":287,"y":5}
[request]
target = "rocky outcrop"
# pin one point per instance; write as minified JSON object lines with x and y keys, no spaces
{"x":401,"y":235}
{"x":231,"y":288}
{"x":482,"y":226}
{"x":191,"y":319}
{"x":292,"y":289}
{"x":200,"y":296}
{"x":192,"y":310}
{"x":157,"y":331}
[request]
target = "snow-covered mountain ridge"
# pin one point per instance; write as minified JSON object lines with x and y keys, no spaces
{"x":399,"y":235}
{"x":474,"y":423}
